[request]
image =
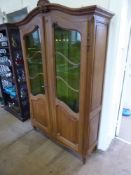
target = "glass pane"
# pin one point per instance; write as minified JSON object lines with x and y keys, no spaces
{"x":67,"y":52}
{"x":34,"y":60}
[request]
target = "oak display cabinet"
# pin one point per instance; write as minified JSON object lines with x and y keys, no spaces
{"x":12,"y":76}
{"x":64,"y":56}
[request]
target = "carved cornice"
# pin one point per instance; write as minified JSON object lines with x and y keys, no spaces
{"x":43,"y":2}
{"x":45,"y":6}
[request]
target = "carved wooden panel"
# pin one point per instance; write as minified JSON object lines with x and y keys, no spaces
{"x":42,"y":2}
{"x":67,"y":125}
{"x":39,"y":110}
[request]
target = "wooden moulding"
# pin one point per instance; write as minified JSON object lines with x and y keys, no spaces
{"x":43,"y":2}
{"x":44,"y":6}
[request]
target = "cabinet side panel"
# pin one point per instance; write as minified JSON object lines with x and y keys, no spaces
{"x":100,"y":47}
{"x":99,"y":64}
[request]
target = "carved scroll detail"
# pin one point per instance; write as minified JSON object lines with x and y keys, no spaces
{"x":43,"y":2}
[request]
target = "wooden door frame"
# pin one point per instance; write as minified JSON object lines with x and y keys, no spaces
{"x":37,"y":22}
{"x":119,"y":118}
{"x":64,"y":20}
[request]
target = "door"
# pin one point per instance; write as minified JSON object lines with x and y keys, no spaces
{"x":66,"y":69}
{"x":67,"y":76}
{"x":125,"y":94}
{"x":35,"y":65}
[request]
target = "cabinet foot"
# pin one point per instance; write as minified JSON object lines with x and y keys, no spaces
{"x":84,"y":160}
{"x":34,"y":127}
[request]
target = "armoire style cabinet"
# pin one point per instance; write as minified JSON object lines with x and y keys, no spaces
{"x":64,"y":56}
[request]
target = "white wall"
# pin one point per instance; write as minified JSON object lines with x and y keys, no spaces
{"x":127,"y":94}
{"x":12,"y":5}
{"x":80,"y":3}
{"x":1,"y":17}
{"x":115,"y":57}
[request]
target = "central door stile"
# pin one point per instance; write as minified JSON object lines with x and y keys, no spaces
{"x":45,"y":67}
{"x":50,"y":72}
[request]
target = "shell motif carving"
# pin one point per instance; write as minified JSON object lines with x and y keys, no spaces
{"x":43,"y":2}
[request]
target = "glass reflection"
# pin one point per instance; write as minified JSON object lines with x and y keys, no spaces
{"x":67,"y":52}
{"x":34,"y":60}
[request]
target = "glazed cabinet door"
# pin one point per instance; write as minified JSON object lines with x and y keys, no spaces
{"x":35,"y":65}
{"x":67,"y":75}
{"x":66,"y":37}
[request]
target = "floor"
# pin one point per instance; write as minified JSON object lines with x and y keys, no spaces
{"x":125,"y":129}
{"x":24,"y":151}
